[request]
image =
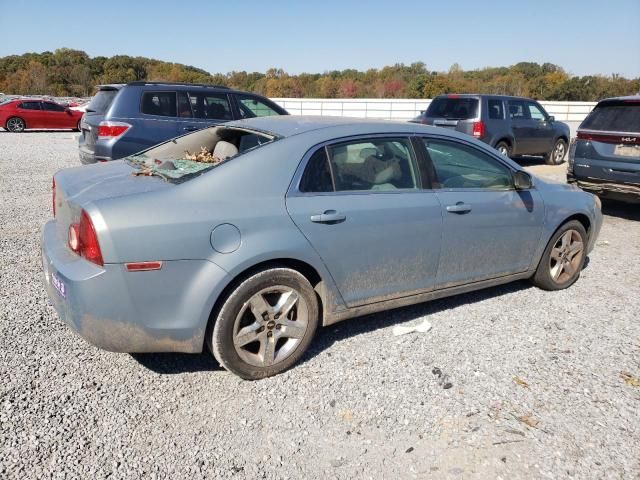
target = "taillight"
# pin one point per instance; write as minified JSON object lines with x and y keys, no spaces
{"x":84,"y":241}
{"x":110,"y":130}
{"x":478,"y":129}
{"x":53,"y":195}
{"x":627,"y":139}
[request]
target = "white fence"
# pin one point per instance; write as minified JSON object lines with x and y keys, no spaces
{"x":404,"y":109}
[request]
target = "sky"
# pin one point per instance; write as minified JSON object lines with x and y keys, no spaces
{"x":582,"y":36}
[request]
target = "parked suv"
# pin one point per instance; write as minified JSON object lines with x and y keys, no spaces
{"x":513,"y":125}
{"x":124,"y":119}
{"x":604,"y":158}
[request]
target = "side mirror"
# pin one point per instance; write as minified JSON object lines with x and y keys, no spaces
{"x":522,"y":180}
{"x":551,"y":118}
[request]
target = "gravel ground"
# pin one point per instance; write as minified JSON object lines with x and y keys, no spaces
{"x":537,"y":387}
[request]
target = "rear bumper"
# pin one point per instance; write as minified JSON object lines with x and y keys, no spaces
{"x":88,"y":157}
{"x":158,"y":311}
{"x":623,"y":191}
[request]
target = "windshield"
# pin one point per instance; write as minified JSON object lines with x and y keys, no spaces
{"x":101,"y":102}
{"x":619,"y":116}
{"x":460,"y":108}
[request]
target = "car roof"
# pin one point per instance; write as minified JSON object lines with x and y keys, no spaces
{"x":479,"y":95}
{"x":290,"y":125}
{"x":633,"y":98}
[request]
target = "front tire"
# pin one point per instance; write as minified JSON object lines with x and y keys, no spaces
{"x":265,"y":324}
{"x":15,"y":125}
{"x":563,"y":259}
{"x":557,"y":153}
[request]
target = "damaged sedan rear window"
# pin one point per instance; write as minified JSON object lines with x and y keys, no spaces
{"x":191,"y":155}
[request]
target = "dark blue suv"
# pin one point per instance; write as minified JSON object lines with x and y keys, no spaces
{"x":604,"y":158}
{"x":125,"y":119}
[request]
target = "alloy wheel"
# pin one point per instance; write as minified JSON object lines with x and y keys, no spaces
{"x":566,"y":256}
{"x":558,"y":152}
{"x":270,"y":326}
{"x":15,"y":125}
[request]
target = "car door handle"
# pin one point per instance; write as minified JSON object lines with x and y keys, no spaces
{"x":328,"y":216}
{"x":459,"y":208}
{"x":190,"y":128}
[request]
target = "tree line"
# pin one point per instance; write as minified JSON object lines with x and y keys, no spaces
{"x":68,"y":72}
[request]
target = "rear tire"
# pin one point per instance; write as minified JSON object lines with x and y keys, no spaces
{"x":15,"y":125}
{"x":503,"y":148}
{"x":563,"y":259}
{"x":265,"y":324}
{"x":557,"y":153}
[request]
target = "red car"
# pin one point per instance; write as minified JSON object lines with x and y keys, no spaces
{"x":21,"y":114}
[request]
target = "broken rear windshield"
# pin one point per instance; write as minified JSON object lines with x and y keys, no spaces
{"x":191,"y":155}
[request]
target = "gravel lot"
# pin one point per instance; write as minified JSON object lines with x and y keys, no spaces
{"x":537,"y":390}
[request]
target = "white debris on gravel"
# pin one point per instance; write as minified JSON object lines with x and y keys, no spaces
{"x":422,"y":327}
{"x":362,"y":404}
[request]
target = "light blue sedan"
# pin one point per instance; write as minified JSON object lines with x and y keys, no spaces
{"x":246,"y":237}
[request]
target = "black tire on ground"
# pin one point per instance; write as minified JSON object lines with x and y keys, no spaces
{"x":563,"y":258}
{"x":15,"y":125}
{"x":77,"y":129}
{"x":278,"y":311}
{"x":504,"y":148}
{"x":557,"y":153}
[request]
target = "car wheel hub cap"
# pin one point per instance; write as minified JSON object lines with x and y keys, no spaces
{"x":566,"y":256}
{"x":270,"y":326}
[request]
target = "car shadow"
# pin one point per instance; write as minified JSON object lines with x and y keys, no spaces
{"x":614,"y":208}
{"x":172,"y":363}
{"x":326,"y":337}
{"x":528,"y":161}
{"x":175,"y":363}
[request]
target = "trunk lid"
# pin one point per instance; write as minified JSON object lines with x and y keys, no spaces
{"x":77,"y":187}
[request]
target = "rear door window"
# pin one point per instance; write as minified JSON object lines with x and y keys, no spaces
{"x":453,"y":108}
{"x":52,"y":107}
{"x":251,"y":106}
{"x":213,"y":106}
{"x":620,"y":116}
{"x":29,"y":105}
{"x":376,"y":164}
{"x":496,"y":109}
{"x":159,"y":103}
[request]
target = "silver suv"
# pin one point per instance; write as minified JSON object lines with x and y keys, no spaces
{"x":513,"y":125}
